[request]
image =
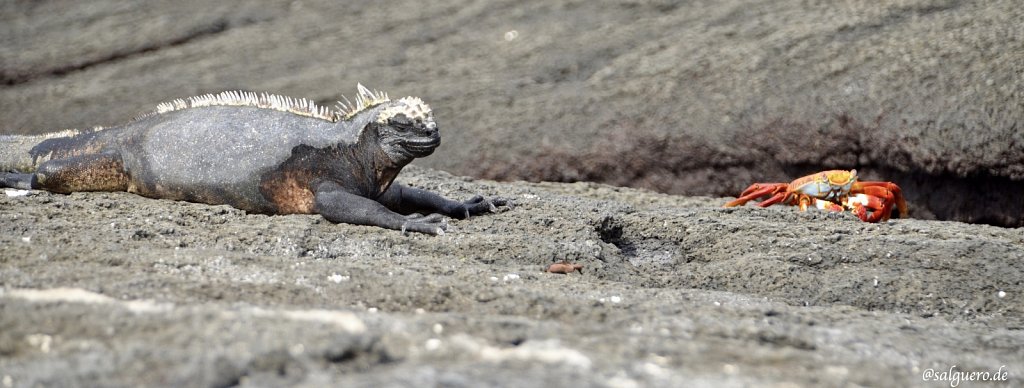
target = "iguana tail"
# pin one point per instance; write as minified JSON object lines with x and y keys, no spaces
{"x":14,"y":151}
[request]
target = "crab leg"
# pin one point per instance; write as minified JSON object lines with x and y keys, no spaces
{"x":759,"y":190}
{"x":825,"y":205}
{"x":778,"y":197}
{"x":880,"y":206}
{"x":888,"y":191}
{"x":773,"y":187}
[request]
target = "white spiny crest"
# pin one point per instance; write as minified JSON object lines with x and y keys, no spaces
{"x":299,"y":106}
{"x":65,"y":133}
{"x":365,"y":99}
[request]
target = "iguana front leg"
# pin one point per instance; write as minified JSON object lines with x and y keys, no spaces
{"x":337,"y":205}
{"x":404,"y":199}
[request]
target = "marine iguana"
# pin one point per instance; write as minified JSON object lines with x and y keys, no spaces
{"x":262,"y":153}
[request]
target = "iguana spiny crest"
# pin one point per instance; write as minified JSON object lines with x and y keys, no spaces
{"x":412,"y":107}
{"x":398,"y":120}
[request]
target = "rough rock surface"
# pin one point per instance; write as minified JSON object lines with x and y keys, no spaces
{"x":689,"y":97}
{"x":112,"y":289}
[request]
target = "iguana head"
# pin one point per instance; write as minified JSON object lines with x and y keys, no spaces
{"x":405,"y":127}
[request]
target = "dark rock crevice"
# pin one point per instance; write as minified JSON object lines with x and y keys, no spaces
{"x":611,"y":231}
{"x":782,"y":151}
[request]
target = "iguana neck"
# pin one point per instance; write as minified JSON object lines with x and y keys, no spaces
{"x":382,"y":167}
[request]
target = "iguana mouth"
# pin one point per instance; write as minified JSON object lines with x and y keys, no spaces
{"x":422,"y":147}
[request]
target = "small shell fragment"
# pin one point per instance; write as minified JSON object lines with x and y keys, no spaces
{"x":564,"y":267}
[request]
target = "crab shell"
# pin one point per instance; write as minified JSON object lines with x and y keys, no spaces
{"x":828,"y":185}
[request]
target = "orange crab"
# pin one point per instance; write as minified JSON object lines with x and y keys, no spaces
{"x":835,"y":190}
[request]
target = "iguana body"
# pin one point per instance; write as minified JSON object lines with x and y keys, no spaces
{"x":257,"y":152}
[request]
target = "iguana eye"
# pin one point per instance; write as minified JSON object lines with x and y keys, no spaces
{"x":401,"y":120}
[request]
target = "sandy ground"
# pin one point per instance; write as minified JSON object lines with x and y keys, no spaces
{"x":117,"y":290}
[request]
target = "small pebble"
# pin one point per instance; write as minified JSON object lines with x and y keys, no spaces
{"x":16,"y":193}
{"x":432,"y":344}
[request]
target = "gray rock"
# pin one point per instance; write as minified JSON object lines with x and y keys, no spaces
{"x":698,"y":98}
{"x":112,"y":289}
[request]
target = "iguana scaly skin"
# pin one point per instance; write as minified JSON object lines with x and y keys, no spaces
{"x":261,"y":153}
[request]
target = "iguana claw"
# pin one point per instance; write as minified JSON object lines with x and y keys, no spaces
{"x":479,"y":205}
{"x":434,"y":224}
